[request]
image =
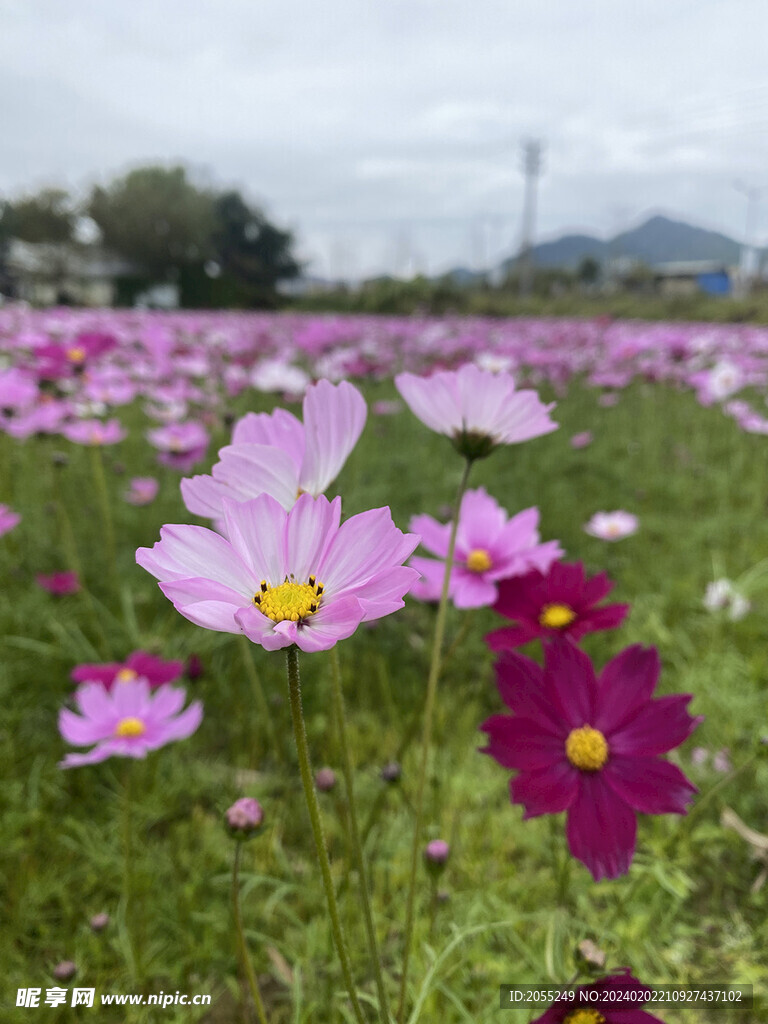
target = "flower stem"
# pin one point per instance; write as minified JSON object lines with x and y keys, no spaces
{"x":97,"y":466}
{"x":354,"y":834}
{"x":300,"y":735}
{"x":245,"y":959}
{"x":429,"y":708}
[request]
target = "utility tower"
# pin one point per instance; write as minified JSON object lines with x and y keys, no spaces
{"x":748,"y":264}
{"x":531,"y":167}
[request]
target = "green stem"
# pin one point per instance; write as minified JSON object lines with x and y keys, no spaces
{"x":300,"y":735}
{"x":354,"y":834}
{"x":129,"y":874}
{"x":434,"y":672}
{"x":97,"y":465}
{"x":245,"y":959}
{"x":261,"y":697}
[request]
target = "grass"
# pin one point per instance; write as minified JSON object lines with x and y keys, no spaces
{"x":516,"y":905}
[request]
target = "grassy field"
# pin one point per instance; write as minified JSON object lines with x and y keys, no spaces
{"x":514,"y":904}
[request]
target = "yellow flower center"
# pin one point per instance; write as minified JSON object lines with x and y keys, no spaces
{"x":479,"y":560}
{"x":289,"y":600}
{"x":586,"y":748}
{"x":556,"y":616}
{"x":76,"y":354}
{"x":584,"y":1016}
{"x":126,"y":675}
{"x":130,"y":727}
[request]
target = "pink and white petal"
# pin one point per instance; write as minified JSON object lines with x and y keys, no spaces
{"x":658,"y":727}
{"x":521,"y":744}
{"x":203,"y":495}
{"x":94,"y":701}
{"x":182,"y":726}
{"x":81,"y":732}
{"x":626,"y":685}
{"x":133,"y":698}
{"x":334,"y":417}
{"x":334,"y":621}
{"x":569,"y":680}
{"x":649,"y":785}
{"x":95,"y":756}
{"x":312,"y":525}
{"x":166,"y":701}
{"x":524,"y":417}
{"x":383,"y":593}
{"x":471,"y":590}
{"x":432,"y":399}
{"x":283,"y":634}
{"x":430,"y":585}
{"x":363,"y":546}
{"x":546,"y":791}
{"x":207,"y":604}
{"x":249,"y":470}
{"x":601,"y":828}
{"x":280,"y":429}
{"x":434,"y":535}
{"x":256,"y":529}
{"x":483,"y":397}
{"x":481,"y":520}
{"x":193,"y":551}
{"x":256,"y":626}
{"x":520,"y":533}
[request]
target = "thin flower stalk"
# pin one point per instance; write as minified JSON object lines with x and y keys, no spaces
{"x":310,"y":794}
{"x":354,"y":835}
{"x":429,"y":708}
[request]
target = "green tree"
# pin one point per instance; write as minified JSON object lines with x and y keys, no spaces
{"x":253,"y":255}
{"x":155,"y":217}
{"x":48,"y":216}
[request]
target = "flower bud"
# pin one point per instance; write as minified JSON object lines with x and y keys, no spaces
{"x":244,"y":817}
{"x":325,"y":779}
{"x":436,"y":855}
{"x":65,"y":970}
{"x":99,"y":922}
{"x":391,"y":772}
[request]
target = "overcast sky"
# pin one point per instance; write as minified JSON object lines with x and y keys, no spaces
{"x":387,"y":134}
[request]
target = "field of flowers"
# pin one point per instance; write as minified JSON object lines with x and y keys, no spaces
{"x":530,"y":740}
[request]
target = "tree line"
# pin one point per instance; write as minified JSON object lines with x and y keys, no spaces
{"x":218,"y":248}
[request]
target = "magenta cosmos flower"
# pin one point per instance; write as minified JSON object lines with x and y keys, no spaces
{"x":59,"y":583}
{"x":278,"y":455}
{"x":489,"y":547}
{"x":140,"y":664}
{"x":611,"y":525}
{"x":591,"y":746}
{"x":9,"y":519}
{"x":283,"y":578}
{"x":127,"y":721}
{"x":560,"y":602}
{"x":610,"y":1000}
{"x":478,"y":410}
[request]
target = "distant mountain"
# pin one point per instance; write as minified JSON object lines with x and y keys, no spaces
{"x":658,"y":240}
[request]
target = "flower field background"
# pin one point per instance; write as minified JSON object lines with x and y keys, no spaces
{"x":666,"y":422}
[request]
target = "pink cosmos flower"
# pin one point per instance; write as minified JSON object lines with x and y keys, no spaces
{"x":276,"y":454}
{"x":612,"y":525}
{"x":8,"y":519}
{"x":142,"y":491}
{"x":489,"y":547}
{"x":59,"y":583}
{"x":582,"y":440}
{"x":591,"y":746}
{"x":94,"y":432}
{"x":559,"y":603}
{"x":614,"y":999}
{"x":180,"y":445}
{"x":140,"y":664}
{"x":283,"y":578}
{"x":478,"y":410}
{"x":126,"y":721}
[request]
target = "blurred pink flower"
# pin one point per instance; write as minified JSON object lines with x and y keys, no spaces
{"x":94,"y":432}
{"x":283,"y":578}
{"x":180,"y":445}
{"x":489,"y":547}
{"x":126,"y":721}
{"x":8,"y":519}
{"x":142,"y":491}
{"x":582,"y":440}
{"x":140,"y":664}
{"x":59,"y":583}
{"x":612,"y":525}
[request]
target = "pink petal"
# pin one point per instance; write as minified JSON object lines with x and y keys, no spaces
{"x":182,"y":726}
{"x":166,"y":701}
{"x":279,"y":429}
{"x":649,"y":785}
{"x":520,"y":682}
{"x":193,"y":551}
{"x":256,"y":529}
{"x":569,"y":680}
{"x":334,"y":621}
{"x":205,"y":603}
{"x":384,"y":592}
{"x":656,"y":728}
{"x":312,"y":525}
{"x":546,"y":791}
{"x":481,"y":520}
{"x":80,"y":731}
{"x":249,"y":470}
{"x":334,"y":417}
{"x":521,"y":744}
{"x":601,"y":828}
{"x":626,"y":685}
{"x":434,"y":535}
{"x":363,"y":546}
{"x":432,"y":400}
{"x":471,"y":590}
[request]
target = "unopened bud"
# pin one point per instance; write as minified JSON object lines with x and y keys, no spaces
{"x":325,"y":779}
{"x":244,"y":817}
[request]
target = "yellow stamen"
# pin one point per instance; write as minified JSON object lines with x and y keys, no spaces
{"x":586,"y":748}
{"x":76,"y":354}
{"x":556,"y":616}
{"x":584,"y":1016}
{"x":479,"y":560}
{"x":126,"y":675}
{"x":289,"y":600}
{"x":130,"y":727}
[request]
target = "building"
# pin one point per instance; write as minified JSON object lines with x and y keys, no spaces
{"x":693,"y":277}
{"x":60,"y":273}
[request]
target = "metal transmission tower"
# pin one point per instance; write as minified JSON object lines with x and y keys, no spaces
{"x":531,"y":169}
